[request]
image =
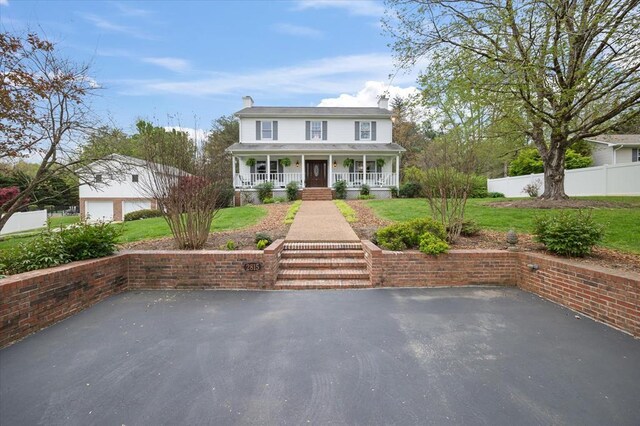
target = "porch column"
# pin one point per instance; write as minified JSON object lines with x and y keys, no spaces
{"x":303,"y":172}
{"x":398,"y":172}
{"x":268,"y":168}
{"x":233,"y":171}
{"x":364,"y":168}
{"x":330,"y":170}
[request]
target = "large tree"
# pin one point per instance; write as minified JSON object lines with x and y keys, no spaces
{"x":225,"y":131}
{"x":45,"y":110}
{"x":572,"y":66}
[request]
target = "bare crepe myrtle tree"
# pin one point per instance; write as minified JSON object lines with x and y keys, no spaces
{"x":45,"y":111}
{"x":572,"y":67}
{"x":186,"y":185}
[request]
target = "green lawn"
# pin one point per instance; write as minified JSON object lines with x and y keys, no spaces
{"x":230,"y":218}
{"x":622,"y":225}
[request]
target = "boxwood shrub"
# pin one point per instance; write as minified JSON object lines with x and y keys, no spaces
{"x":568,"y":233}
{"x":142,"y":214}
{"x":407,"y":235}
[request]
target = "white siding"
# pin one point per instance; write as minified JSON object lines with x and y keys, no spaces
{"x":623,"y":155}
{"x":292,"y":130}
{"x":120,"y":186}
{"x":601,"y":154}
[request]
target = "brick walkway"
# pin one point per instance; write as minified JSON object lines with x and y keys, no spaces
{"x":320,"y":221}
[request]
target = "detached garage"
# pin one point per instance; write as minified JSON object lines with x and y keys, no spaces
{"x":98,"y":210}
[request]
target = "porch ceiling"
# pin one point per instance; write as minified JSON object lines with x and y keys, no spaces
{"x":363,"y":148}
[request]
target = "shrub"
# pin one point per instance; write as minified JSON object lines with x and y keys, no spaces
{"x":346,"y":210}
{"x":366,"y":197}
{"x":495,"y":195}
{"x":231,"y":245}
{"x":292,"y":191}
{"x":268,"y":200}
{"x":225,"y":198}
{"x":85,"y":241}
{"x":394,"y":192}
{"x":529,"y":161}
{"x":566,"y":233}
{"x":430,"y":244}
{"x":410,"y":190}
{"x":265,"y":190}
{"x":263,"y":236}
{"x":279,"y":199}
{"x":291,"y":213}
{"x":478,"y":187}
{"x":532,"y":189}
{"x":260,"y":245}
{"x":49,"y":249}
{"x":469,"y":228}
{"x":142,"y":214}
{"x":341,"y":189}
{"x":364,"y":189}
{"x":401,"y":236}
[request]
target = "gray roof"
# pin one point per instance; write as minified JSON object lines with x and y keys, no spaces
{"x":616,"y":139}
{"x":315,"y":147}
{"x":273,"y":111}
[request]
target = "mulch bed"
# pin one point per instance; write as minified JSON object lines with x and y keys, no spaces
{"x":368,"y":223}
{"x":535,"y":203}
{"x":272,"y":224}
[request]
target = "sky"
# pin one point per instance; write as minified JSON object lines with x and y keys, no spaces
{"x":186,"y":63}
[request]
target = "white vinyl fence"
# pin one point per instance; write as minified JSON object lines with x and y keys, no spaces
{"x":25,"y":221}
{"x":621,"y":179}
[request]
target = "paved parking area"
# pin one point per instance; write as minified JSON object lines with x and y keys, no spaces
{"x":493,"y":356}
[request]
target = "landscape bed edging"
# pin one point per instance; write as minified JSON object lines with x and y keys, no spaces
{"x":34,"y":300}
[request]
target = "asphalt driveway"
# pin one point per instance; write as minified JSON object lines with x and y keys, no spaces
{"x":387,"y":356}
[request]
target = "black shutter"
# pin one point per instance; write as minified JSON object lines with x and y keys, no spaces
{"x":307,"y":130}
{"x":324,"y":130}
{"x":373,"y":130}
{"x":258,"y":128}
{"x":274,"y":129}
{"x":357,"y":130}
{"x":634,"y":155}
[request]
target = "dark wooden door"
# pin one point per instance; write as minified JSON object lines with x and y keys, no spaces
{"x":316,"y":173}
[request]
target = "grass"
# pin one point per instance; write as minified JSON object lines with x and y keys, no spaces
{"x":346,"y":210}
{"x":291,"y":213}
{"x":145,"y":229}
{"x":622,"y":225}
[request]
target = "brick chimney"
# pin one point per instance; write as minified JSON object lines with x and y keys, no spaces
{"x":247,"y":101}
{"x":383,"y":102}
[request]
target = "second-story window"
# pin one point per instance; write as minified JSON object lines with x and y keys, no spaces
{"x":134,"y":178}
{"x":316,"y":130}
{"x":365,"y":130}
{"x":267,"y":130}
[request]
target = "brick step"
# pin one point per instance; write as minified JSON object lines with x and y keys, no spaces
{"x":326,"y":263}
{"x":322,"y":254}
{"x":322,"y":246}
{"x":323,"y":274}
{"x":320,"y":284}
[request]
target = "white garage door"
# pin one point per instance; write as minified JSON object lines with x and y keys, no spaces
{"x":132,"y":206}
{"x":99,"y":210}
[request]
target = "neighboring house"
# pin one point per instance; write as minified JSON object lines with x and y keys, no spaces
{"x":615,"y":149}
{"x":119,"y":185}
{"x":316,"y":147}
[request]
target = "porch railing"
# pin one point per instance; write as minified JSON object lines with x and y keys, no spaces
{"x":280,"y":180}
{"x":355,"y":180}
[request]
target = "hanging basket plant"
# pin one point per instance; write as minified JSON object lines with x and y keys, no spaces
{"x":347,"y":163}
{"x":251,"y":162}
{"x":380,"y":162}
{"x":285,"y":162}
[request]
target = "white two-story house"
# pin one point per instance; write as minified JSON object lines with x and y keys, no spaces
{"x":316,"y":147}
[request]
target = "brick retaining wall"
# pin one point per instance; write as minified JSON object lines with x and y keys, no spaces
{"x":34,"y":300}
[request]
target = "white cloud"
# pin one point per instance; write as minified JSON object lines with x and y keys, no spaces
{"x":297,"y":30}
{"x":368,"y":95}
{"x":339,"y":74}
{"x":4,"y":2}
{"x":129,"y":10}
{"x":106,"y":25}
{"x":361,"y":7}
{"x":172,"y":64}
{"x":198,"y":135}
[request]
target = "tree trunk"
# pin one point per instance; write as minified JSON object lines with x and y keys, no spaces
{"x":554,"y":174}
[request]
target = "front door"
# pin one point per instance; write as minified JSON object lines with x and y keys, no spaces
{"x":316,"y":173}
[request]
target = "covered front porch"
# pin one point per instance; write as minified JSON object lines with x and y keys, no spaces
{"x":316,"y":170}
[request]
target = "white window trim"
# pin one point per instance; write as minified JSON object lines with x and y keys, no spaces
{"x":362,"y":138}
{"x":311,"y":130}
{"x":262,"y":131}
